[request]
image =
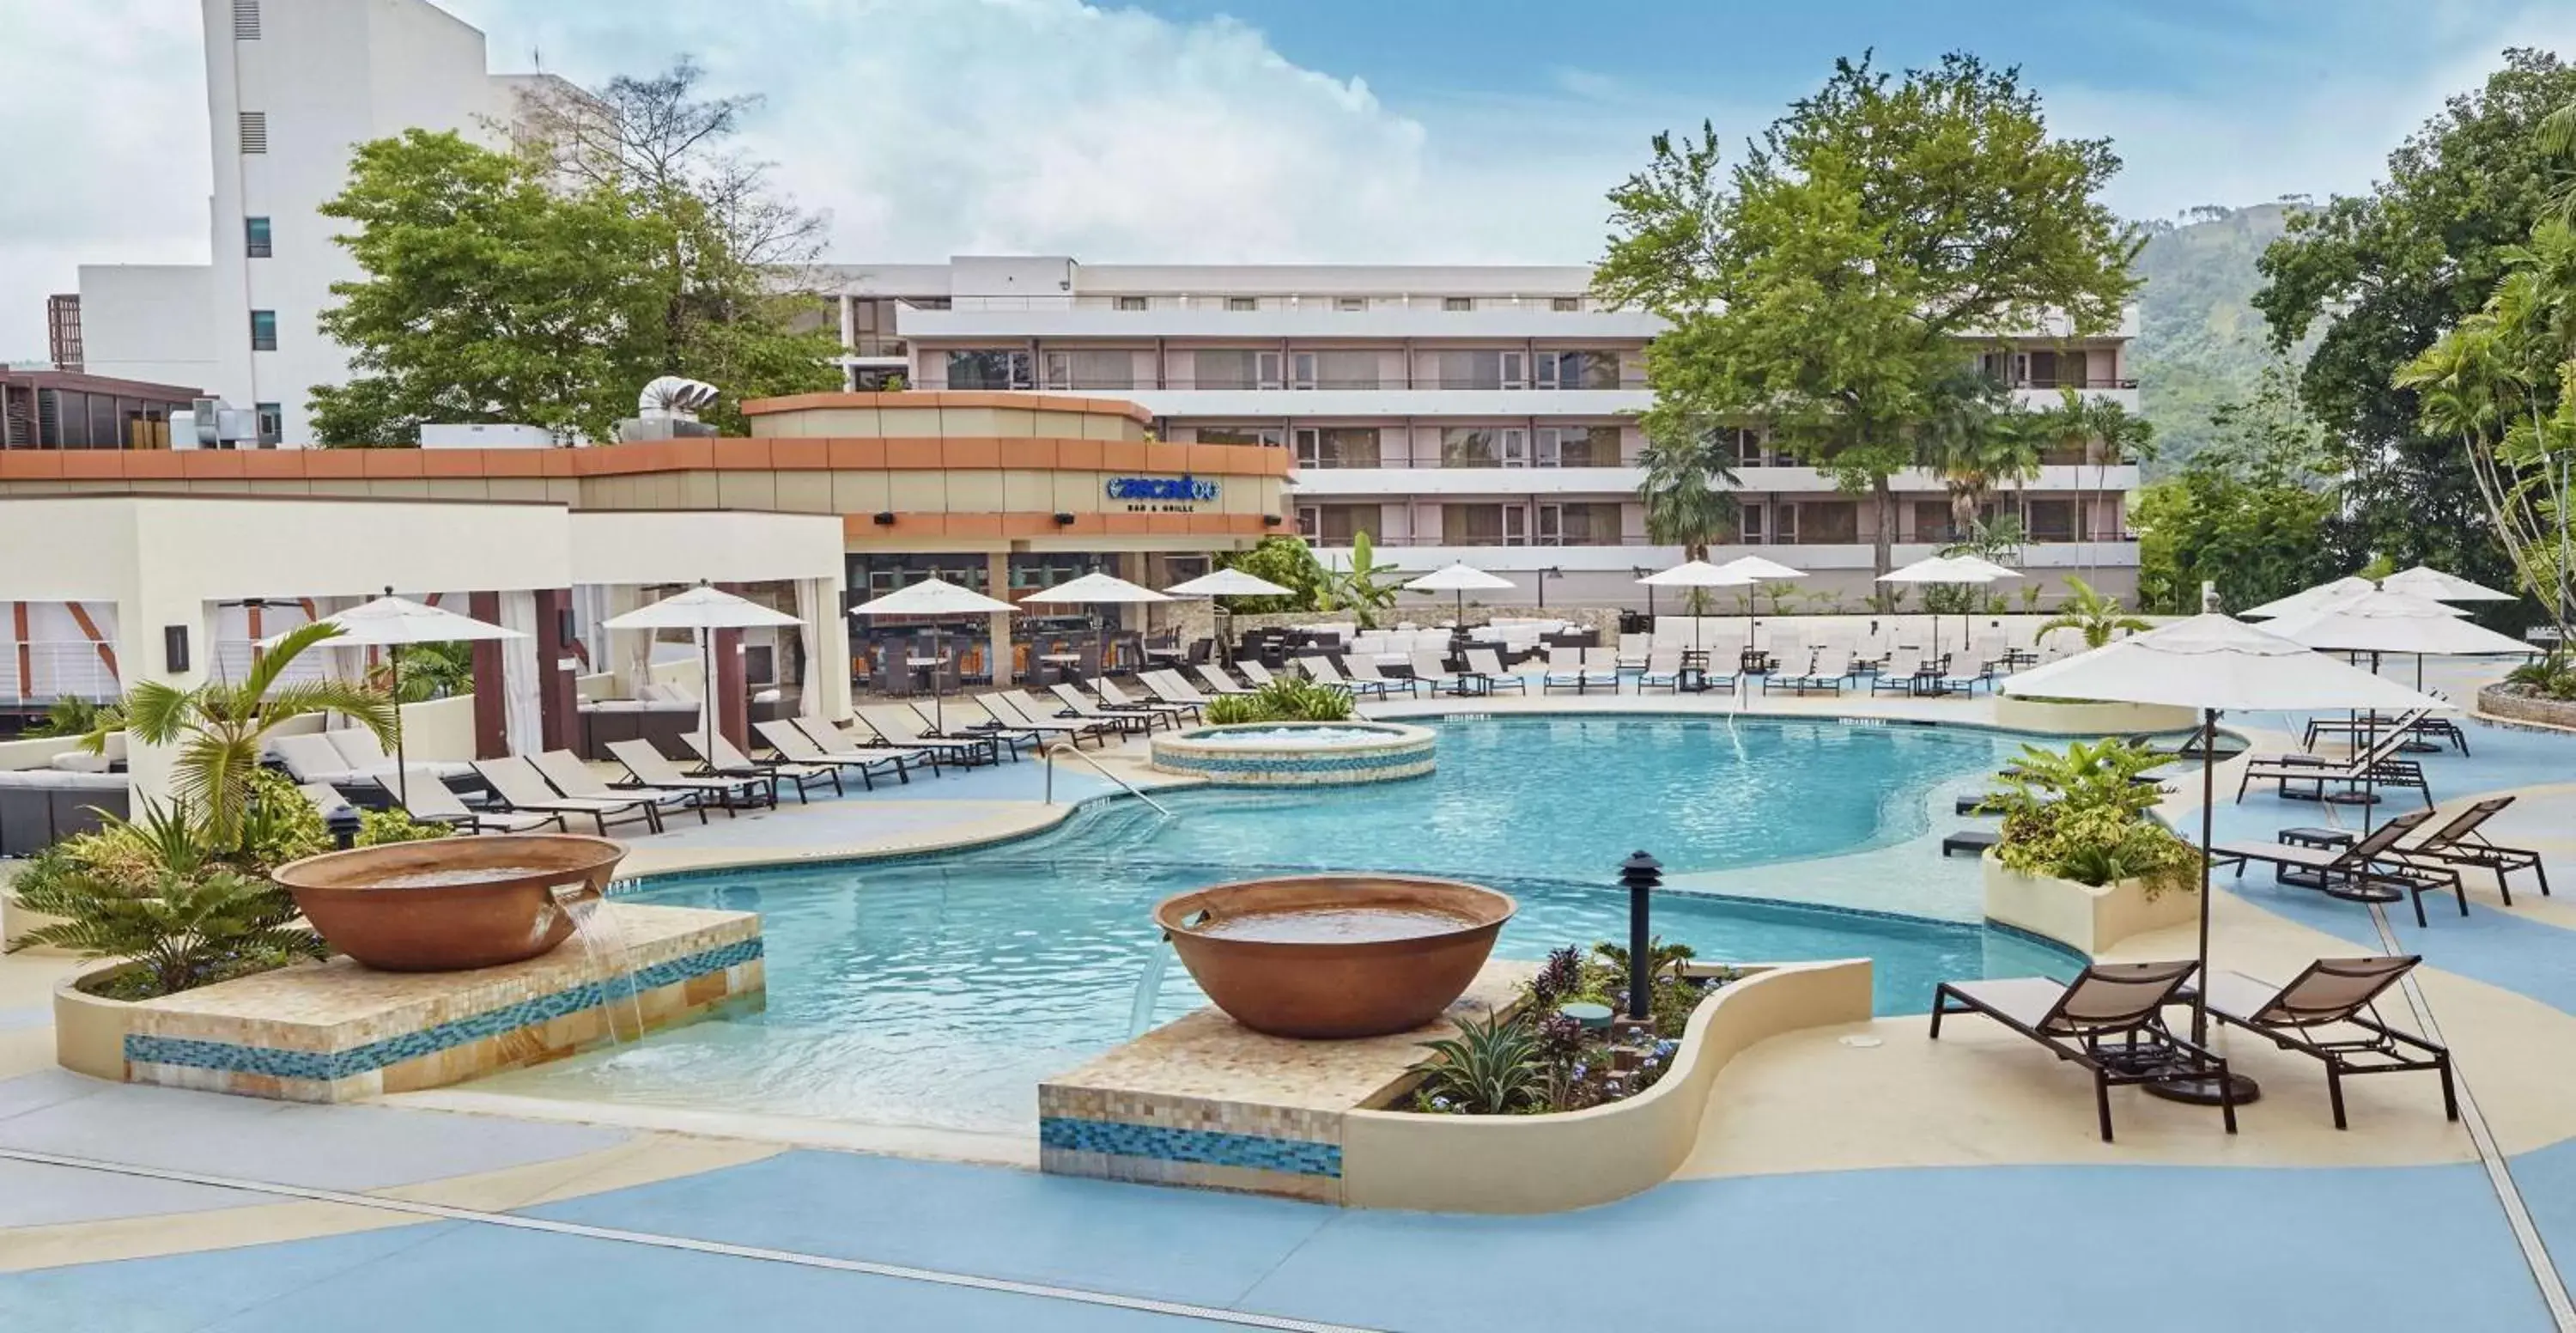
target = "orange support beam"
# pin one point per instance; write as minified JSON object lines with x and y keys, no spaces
{"x":26,"y":650}
{"x":106,"y":650}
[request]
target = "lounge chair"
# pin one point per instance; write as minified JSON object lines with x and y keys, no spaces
{"x":523,"y":789}
{"x":1214,"y":678}
{"x":901,"y":727}
{"x":719,"y":757}
{"x":1131,"y":720}
{"x":1166,"y":684}
{"x":1897,"y":674}
{"x":1580,"y":670}
{"x":1487,"y":663}
{"x":427,"y":798}
{"x":649,"y":767}
{"x":567,"y":773}
{"x":793,"y":745}
{"x":1435,"y":674}
{"x":1254,"y":671}
{"x":2377,"y":766}
{"x":311,"y":758}
{"x":1830,"y":669}
{"x":1015,"y":711}
{"x":2354,"y":870}
{"x":366,"y":754}
{"x":1113,"y":697}
{"x":2105,"y":1001}
{"x":838,"y":742}
{"x":2331,"y":993}
{"x":2424,"y":726}
{"x":1364,"y":672}
{"x":2459,"y":843}
{"x":1663,"y":668}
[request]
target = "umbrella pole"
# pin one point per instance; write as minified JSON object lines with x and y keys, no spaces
{"x":938,"y":716}
{"x":707,"y":689}
{"x":2189,"y":1083}
{"x":402,"y":770}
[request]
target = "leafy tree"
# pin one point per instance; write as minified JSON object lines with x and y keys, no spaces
{"x":1286,"y":561}
{"x":488,"y":297}
{"x":1688,"y":491}
{"x":2248,"y":512}
{"x":1977,"y":442}
{"x":1825,"y":285}
{"x":1365,"y":588}
{"x":2090,"y":614}
{"x":2386,"y":274}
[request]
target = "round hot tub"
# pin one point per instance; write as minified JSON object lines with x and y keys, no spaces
{"x":1335,"y":956}
{"x":1297,"y":754}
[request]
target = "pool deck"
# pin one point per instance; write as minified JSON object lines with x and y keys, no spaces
{"x":1856,"y":1177}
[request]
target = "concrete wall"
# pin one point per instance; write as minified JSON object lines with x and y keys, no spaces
{"x":2082,"y":917}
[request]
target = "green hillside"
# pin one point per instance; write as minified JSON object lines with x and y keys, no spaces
{"x":2200,"y":340}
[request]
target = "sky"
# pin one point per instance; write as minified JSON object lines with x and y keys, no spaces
{"x":1272,"y":130}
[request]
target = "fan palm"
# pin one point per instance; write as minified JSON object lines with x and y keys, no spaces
{"x":1977,"y":442}
{"x":2092,"y":615}
{"x":1688,"y":492}
{"x":220,"y":727}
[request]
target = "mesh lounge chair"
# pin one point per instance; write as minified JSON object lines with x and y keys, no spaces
{"x":649,"y":767}
{"x":1435,"y":674}
{"x":2334,"y":994}
{"x":2376,"y":766}
{"x":2075,"y":1022}
{"x":1663,"y":668}
{"x":429,"y":800}
{"x":1487,"y":663}
{"x":793,"y":745}
{"x":1132,"y":721}
{"x":522,"y":788}
{"x":897,"y":725}
{"x":1166,"y":684}
{"x":1580,"y":670}
{"x":1016,"y":710}
{"x":721,"y":758}
{"x":1829,"y":669}
{"x":835,"y":741}
{"x":1254,"y":671}
{"x":1113,"y":697}
{"x":2368,"y":863}
{"x":1364,"y":672}
{"x":1897,"y":674}
{"x":2424,"y":727}
{"x":566,"y":773}
{"x":2459,"y":843}
{"x":1216,"y":680}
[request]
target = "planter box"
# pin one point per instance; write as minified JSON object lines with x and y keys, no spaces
{"x":2080,"y":916}
{"x":90,"y":1030}
{"x":2513,"y":706}
{"x":2088,"y":719}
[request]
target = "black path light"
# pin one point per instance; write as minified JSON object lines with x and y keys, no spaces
{"x":1642,"y":874}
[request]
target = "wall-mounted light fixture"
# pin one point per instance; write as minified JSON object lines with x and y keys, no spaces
{"x":885,"y":518}
{"x":1064,"y":520}
{"x":1271,"y":520}
{"x":174,"y":648}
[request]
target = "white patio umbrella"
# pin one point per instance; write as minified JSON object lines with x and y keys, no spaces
{"x":2309,"y":599}
{"x":933,"y":596}
{"x":1760,"y":571}
{"x":2215,"y":664}
{"x":389,"y":622}
{"x":1097,"y":589}
{"x":1949,"y":569}
{"x":2435,"y":586}
{"x":1219,"y":584}
{"x":704,"y":610}
{"x":1702,"y":574}
{"x":2394,"y":622}
{"x":1462,"y":579}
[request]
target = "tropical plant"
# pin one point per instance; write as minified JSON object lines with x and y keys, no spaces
{"x":1284,"y":699}
{"x":221,"y":727}
{"x":2089,"y":613}
{"x":1662,"y":960}
{"x":2247,"y":513}
{"x":1489,"y":1068}
{"x":184,"y":930}
{"x":424,"y":671}
{"x":71,"y":715}
{"x":1365,"y":587}
{"x":278,"y":825}
{"x":378,"y":827}
{"x":2552,"y":677}
{"x":1688,"y":490}
{"x":1975,"y":438}
{"x":1286,"y":561}
{"x":2083,"y":815}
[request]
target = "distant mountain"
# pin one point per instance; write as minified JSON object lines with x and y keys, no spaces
{"x":2200,"y":341}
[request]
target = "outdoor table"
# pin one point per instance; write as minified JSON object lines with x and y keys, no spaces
{"x":1929,"y":683}
{"x":2357,"y":889}
{"x":2314,"y":837}
{"x":1693,"y":677}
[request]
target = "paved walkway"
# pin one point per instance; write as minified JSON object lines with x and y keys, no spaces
{"x":1837,"y":1185}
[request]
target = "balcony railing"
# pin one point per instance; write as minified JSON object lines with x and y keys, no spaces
{"x":2071,"y":382}
{"x":1401,"y":462}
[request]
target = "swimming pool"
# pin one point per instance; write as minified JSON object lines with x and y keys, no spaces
{"x":940,"y":991}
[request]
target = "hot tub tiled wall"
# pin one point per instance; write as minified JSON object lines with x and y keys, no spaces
{"x":337,"y":1031}
{"x":1404,"y":752}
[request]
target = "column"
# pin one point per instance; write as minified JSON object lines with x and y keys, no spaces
{"x":827,"y":656}
{"x":143,"y":613}
{"x":725,"y":692}
{"x":997,"y":584}
{"x":491,"y":683}
{"x":558,"y":697}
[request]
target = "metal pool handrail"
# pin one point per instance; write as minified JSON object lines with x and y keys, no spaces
{"x":1062,"y":747}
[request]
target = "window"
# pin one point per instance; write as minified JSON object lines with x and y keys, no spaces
{"x":1932,"y":521}
{"x":994,"y":369}
{"x":1336,"y":525}
{"x":272,"y":425}
{"x":1480,"y":369}
{"x":1577,"y":370}
{"x":1350,"y":303}
{"x":1565,"y":303}
{"x":1112,"y":369}
{"x":245,"y":20}
{"x":254,"y":131}
{"x":1575,"y":446}
{"x":1457,"y":303}
{"x":2052,"y":520}
{"x":1332,"y":370}
{"x":1748,"y":520}
{"x":1483,"y":525}
{"x":1594,"y":523}
{"x":1484,"y":446}
{"x":255,"y":238}
{"x":1836,"y":521}
{"x":1242,"y":303}
{"x":1337,"y":446}
{"x":1231,"y":368}
{"x":1131,"y":303}
{"x":1262,"y":435}
{"x":263,"y":330}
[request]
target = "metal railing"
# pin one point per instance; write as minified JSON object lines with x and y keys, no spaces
{"x":1068,"y":747}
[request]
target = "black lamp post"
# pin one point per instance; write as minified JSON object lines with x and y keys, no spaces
{"x":1641,"y":874}
{"x":344,"y":825}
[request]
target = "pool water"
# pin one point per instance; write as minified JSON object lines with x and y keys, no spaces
{"x":939,"y":992}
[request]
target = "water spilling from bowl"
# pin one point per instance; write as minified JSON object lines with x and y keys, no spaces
{"x":1335,"y":925}
{"x":454,"y":877}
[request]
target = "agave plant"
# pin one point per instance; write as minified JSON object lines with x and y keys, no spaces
{"x":1489,"y":1068}
{"x":220,"y":727}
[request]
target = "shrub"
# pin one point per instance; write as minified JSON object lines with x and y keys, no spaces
{"x":1488,"y":1069}
{"x":2083,"y":816}
{"x":2552,"y":677}
{"x":378,"y":827}
{"x":1283,"y":700}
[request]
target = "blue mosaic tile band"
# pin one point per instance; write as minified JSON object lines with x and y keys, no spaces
{"x":325,"y":1066}
{"x":1202,"y":761}
{"x":1206,"y":1147}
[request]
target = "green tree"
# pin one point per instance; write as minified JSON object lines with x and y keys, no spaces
{"x":1977,"y":442}
{"x":1688,"y":491}
{"x":487,"y":297}
{"x":1286,"y":561}
{"x":2247,"y":512}
{"x":1861,"y":251}
{"x":2385,"y":274}
{"x":1365,"y":588}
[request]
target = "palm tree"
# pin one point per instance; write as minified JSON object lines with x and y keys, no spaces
{"x":2092,"y":615}
{"x":1977,"y":441}
{"x":1689,"y":491}
{"x":2556,"y":140}
{"x":220,"y":727}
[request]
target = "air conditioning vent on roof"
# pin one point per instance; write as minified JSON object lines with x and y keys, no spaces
{"x":245,"y":20}
{"x":254,"y":131}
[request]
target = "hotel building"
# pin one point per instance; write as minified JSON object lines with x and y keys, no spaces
{"x":1484,"y":414}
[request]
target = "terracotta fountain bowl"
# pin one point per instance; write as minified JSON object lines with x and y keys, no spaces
{"x":1335,"y":956}
{"x":450,"y":904}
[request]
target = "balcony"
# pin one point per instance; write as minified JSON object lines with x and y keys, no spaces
{"x":2041,"y":561}
{"x":1043,"y":318}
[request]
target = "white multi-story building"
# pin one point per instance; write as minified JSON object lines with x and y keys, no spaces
{"x":292,"y":88}
{"x":1484,"y":414}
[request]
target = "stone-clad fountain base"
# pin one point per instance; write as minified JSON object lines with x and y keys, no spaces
{"x":338,"y":1031}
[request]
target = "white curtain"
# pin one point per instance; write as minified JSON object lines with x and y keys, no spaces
{"x":809,"y":608}
{"x":520,"y":724}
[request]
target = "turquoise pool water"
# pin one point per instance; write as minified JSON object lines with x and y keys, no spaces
{"x":939,"y":992}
